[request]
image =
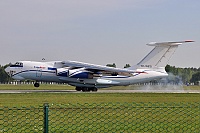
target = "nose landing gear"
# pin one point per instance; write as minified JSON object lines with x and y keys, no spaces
{"x":36,"y":84}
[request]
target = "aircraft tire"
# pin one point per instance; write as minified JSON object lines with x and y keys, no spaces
{"x":85,"y":89}
{"x":94,"y":89}
{"x":90,"y":89}
{"x":78,"y":88}
{"x":36,"y":84}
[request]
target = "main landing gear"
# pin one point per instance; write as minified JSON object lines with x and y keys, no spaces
{"x":36,"y":84}
{"x":86,"y":89}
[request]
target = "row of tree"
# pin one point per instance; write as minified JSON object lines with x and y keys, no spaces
{"x":187,"y":75}
{"x":3,"y":75}
{"x":114,"y":65}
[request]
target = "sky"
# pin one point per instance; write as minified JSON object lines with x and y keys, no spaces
{"x":98,"y":31}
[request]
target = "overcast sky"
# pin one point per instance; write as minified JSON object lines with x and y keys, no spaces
{"x":98,"y":31}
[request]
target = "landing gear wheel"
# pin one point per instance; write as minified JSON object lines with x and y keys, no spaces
{"x":94,"y":89}
{"x":36,"y":84}
{"x":78,"y":88}
{"x":85,"y":89}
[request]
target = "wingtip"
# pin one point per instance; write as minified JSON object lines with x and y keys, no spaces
{"x":189,"y":41}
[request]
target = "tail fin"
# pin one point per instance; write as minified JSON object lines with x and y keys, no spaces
{"x":160,"y":55}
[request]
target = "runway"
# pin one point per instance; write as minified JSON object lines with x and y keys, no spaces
{"x":99,"y":91}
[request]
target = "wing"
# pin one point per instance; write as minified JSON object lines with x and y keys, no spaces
{"x":94,"y":68}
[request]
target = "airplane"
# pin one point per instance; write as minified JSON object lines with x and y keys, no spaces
{"x":90,"y":77}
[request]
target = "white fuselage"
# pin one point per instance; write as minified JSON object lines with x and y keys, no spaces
{"x":54,"y":72}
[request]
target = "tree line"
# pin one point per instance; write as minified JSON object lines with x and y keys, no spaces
{"x":3,"y":75}
{"x":187,"y":75}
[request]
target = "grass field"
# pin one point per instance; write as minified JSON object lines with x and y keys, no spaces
{"x":31,"y":87}
{"x":104,"y":117}
{"x":67,"y":87}
{"x":35,"y":99}
{"x":32,"y":99}
{"x":99,"y":112}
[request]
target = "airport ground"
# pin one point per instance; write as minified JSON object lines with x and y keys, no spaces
{"x":62,"y":94}
{"x":68,"y":87}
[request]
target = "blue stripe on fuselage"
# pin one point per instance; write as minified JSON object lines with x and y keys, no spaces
{"x":51,"y":68}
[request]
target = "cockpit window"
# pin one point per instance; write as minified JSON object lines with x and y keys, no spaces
{"x":17,"y":64}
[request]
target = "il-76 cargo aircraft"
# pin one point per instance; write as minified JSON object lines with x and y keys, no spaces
{"x":90,"y":77}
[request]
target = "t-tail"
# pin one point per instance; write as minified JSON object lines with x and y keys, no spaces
{"x":159,"y":56}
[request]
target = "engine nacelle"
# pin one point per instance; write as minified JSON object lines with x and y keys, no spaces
{"x":80,"y":73}
{"x":62,"y":72}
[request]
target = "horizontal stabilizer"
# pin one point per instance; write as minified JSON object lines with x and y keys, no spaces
{"x":168,"y":43}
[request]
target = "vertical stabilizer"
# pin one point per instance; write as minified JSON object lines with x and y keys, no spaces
{"x":160,"y":55}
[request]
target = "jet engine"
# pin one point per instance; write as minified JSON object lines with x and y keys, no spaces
{"x":80,"y":73}
{"x":62,"y":72}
